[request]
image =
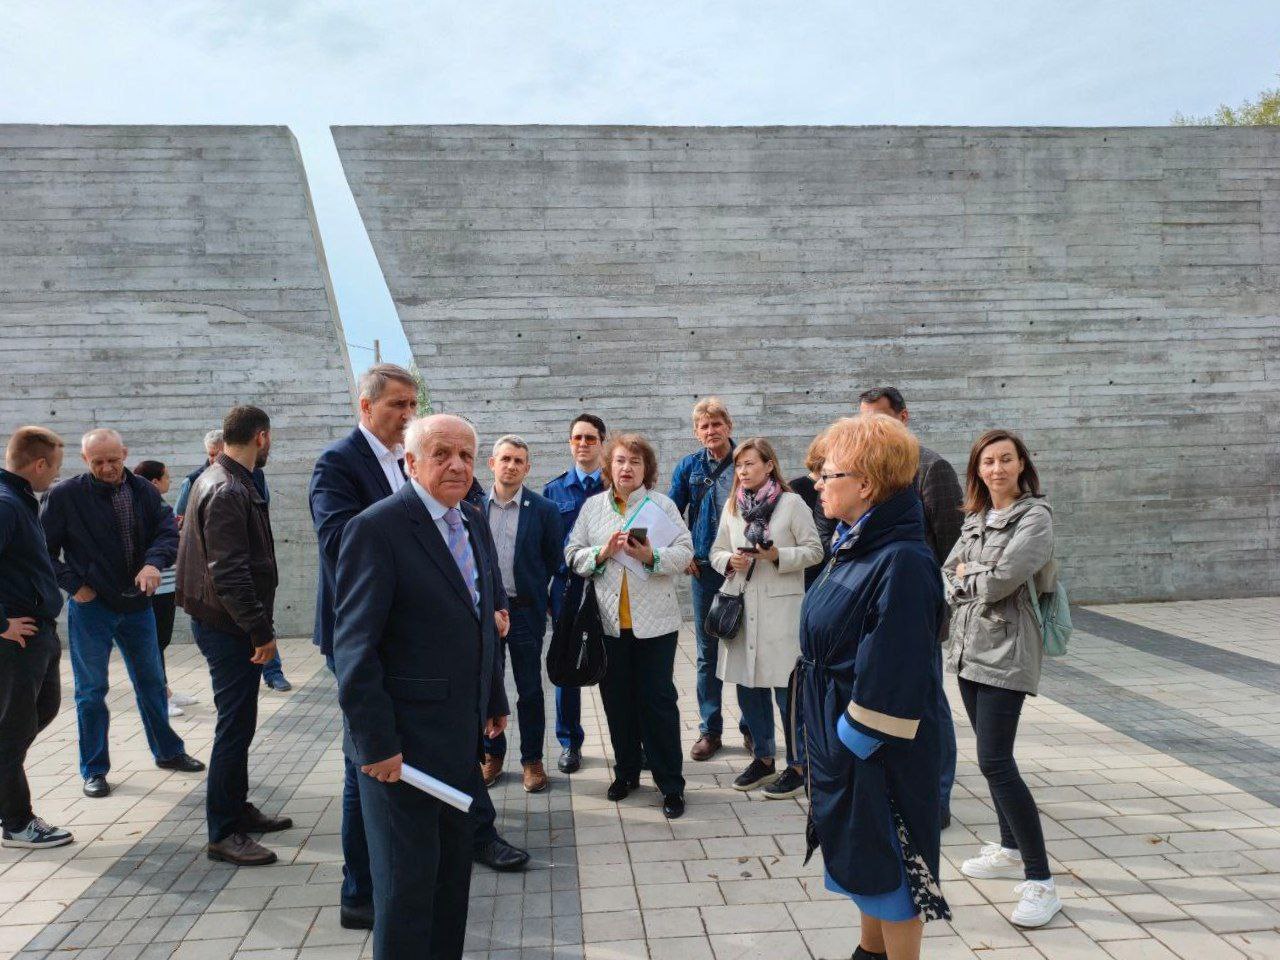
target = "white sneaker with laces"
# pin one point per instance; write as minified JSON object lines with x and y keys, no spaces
{"x":175,"y":710}
{"x":182,"y":700}
{"x":35,"y":836}
{"x":994,"y":862}
{"x":1039,"y":903}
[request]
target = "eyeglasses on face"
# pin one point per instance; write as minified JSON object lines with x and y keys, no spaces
{"x":828,"y":477}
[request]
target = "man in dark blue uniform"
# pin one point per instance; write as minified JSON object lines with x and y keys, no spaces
{"x":568,"y":492}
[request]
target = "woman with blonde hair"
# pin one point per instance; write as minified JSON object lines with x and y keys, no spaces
{"x":765,"y":540}
{"x":640,"y":615}
{"x":868,"y":683}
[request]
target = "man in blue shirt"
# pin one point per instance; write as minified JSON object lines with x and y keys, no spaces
{"x":700,"y":488}
{"x":568,"y":492}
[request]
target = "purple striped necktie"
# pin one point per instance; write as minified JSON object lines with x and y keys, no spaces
{"x":460,"y":547}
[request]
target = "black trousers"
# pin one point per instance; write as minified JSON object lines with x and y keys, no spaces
{"x":235,"y":695}
{"x":640,"y":704}
{"x":30,"y":693}
{"x":164,"y":606}
{"x":993,"y":714}
{"x":420,"y":859}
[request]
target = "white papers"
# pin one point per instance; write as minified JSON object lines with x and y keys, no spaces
{"x":436,"y":788}
{"x":662,"y":531}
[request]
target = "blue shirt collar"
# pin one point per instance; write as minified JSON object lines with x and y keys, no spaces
{"x":582,"y":477}
{"x":434,"y":506}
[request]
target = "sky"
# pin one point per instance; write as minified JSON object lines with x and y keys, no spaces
{"x":313,"y":63}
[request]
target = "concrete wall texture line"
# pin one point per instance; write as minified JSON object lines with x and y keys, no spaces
{"x":153,"y":277}
{"x":1111,"y":293}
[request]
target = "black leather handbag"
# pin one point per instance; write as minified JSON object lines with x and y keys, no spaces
{"x":576,"y":655}
{"x":724,"y":619}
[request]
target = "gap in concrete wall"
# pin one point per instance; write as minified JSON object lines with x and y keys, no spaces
{"x":359,"y":287}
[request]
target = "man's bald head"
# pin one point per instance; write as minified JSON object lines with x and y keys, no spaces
{"x":440,"y":453}
{"x":103,"y":451}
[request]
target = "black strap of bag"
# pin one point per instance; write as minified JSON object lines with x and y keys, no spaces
{"x":724,"y":619}
{"x":696,"y":506}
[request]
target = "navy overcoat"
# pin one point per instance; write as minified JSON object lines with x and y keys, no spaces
{"x":868,"y":639}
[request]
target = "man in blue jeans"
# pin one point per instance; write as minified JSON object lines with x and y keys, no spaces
{"x":568,"y":492}
{"x":109,"y":535}
{"x":700,"y":488}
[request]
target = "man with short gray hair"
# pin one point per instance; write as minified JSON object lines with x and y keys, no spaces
{"x":527,"y":532}
{"x":212,"y":447}
{"x":109,"y":535}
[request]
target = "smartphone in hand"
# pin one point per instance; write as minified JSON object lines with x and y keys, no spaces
{"x":638,"y":534}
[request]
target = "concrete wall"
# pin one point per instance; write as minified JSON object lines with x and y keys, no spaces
{"x":1112,"y":293}
{"x":153,"y":277}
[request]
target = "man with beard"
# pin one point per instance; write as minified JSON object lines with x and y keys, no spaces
{"x":227,"y":583}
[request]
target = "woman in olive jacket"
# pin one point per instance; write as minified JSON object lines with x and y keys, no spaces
{"x":1005,"y":545}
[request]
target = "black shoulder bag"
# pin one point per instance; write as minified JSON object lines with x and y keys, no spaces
{"x":724,"y":619}
{"x":576,"y":654}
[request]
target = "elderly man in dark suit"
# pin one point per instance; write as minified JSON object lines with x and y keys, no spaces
{"x":419,"y":663}
{"x":351,"y":475}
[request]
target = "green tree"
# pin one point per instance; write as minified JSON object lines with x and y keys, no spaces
{"x":424,"y":397}
{"x":1262,"y":112}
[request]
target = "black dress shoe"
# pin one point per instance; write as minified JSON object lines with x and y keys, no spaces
{"x":356,"y":916}
{"x":861,"y":954}
{"x":673,"y":806}
{"x":254,"y":820}
{"x":97,"y":786}
{"x":621,"y":788}
{"x":570,"y":760}
{"x":946,"y":819}
{"x":499,"y":855}
{"x":183,"y":762}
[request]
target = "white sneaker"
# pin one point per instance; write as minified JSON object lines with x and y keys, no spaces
{"x":1039,"y":903}
{"x":182,"y":700}
{"x":994,"y":862}
{"x":35,"y":835}
{"x":175,"y":710}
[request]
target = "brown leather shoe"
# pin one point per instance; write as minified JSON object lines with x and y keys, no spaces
{"x":491,"y":769}
{"x":706,"y":747}
{"x":241,"y":850}
{"x":535,"y":777}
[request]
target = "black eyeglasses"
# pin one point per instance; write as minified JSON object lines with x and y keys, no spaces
{"x":827,"y":477}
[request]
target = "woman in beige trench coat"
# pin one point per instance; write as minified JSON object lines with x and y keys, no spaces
{"x":768,"y":531}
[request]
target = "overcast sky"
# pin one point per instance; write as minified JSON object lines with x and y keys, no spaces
{"x":311,"y":63}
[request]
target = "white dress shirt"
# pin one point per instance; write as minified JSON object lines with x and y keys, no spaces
{"x":388,"y":460}
{"x":437,"y":511}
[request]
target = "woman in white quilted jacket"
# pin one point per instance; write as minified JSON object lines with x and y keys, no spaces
{"x":641,"y":618}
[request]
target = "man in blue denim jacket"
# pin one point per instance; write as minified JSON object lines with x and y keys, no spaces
{"x":568,"y":492}
{"x":700,"y":488}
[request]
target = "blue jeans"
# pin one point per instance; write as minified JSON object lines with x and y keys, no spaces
{"x":568,"y":699}
{"x":357,"y":881}
{"x":710,"y":687}
{"x":273,"y":670}
{"x":524,"y":643}
{"x":91,"y":628}
{"x":947,"y":731}
{"x":235,"y":696}
{"x":756,"y":704}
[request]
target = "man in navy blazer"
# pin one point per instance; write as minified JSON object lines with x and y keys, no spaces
{"x":351,"y":475}
{"x":417,"y":651}
{"x":528,"y":536}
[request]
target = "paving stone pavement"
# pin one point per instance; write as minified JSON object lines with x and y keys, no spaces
{"x":1152,"y":752}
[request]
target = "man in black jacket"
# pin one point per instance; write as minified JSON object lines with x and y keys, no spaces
{"x":226,"y":581}
{"x":29,"y":604}
{"x":110,"y":535}
{"x":939,"y":490}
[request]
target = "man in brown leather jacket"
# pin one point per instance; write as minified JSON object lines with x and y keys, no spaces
{"x":226,"y":581}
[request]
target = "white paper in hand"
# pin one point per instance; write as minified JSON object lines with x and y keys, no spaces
{"x":662,"y":531}
{"x":436,"y":788}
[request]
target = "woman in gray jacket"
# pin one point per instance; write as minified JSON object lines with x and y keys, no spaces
{"x":1005,"y":543}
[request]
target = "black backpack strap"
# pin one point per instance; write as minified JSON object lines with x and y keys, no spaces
{"x":696,"y":506}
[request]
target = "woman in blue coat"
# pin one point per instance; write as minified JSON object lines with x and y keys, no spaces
{"x":868,"y":688}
